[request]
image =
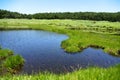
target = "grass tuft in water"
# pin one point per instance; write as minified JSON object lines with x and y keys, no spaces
{"x":13,"y":63}
{"x":10,"y":63}
{"x":4,"y":53}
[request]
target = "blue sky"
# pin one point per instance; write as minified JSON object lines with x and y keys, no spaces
{"x":36,"y":6}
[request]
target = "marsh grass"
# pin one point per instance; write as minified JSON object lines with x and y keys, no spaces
{"x":4,"y":53}
{"x":10,"y":63}
{"x":93,"y":73}
{"x":109,"y":43}
{"x":13,"y":63}
{"x":82,"y":33}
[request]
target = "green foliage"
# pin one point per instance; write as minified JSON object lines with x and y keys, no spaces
{"x":13,"y":62}
{"x":65,"y":15}
{"x":9,"y":63}
{"x":70,"y":46}
{"x":4,"y":53}
{"x":14,"y":15}
{"x":72,"y":49}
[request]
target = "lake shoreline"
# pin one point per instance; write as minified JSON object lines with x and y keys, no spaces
{"x":78,"y":40}
{"x":63,"y":30}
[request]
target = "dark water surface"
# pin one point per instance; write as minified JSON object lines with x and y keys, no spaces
{"x":42,"y":52}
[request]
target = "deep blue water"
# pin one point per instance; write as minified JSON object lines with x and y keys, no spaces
{"x":42,"y":52}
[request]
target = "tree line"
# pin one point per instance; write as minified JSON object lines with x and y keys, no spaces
{"x":63,"y":15}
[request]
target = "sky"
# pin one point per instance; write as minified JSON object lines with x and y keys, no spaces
{"x":36,"y":6}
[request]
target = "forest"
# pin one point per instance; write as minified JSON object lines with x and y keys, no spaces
{"x":97,"y":16}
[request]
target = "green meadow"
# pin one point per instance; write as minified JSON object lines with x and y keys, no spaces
{"x":82,"y":34}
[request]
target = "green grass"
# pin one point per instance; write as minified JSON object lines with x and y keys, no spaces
{"x":83,"y":25}
{"x":80,"y":40}
{"x":112,"y":73}
{"x":4,"y":53}
{"x":13,"y":63}
{"x":82,"y":34}
{"x":9,"y":63}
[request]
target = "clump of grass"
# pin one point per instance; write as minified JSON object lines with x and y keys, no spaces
{"x":13,"y":63}
{"x":72,"y":49}
{"x":4,"y":53}
{"x":10,"y":63}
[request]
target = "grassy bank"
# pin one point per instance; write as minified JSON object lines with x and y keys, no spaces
{"x":82,"y":33}
{"x":85,"y":74}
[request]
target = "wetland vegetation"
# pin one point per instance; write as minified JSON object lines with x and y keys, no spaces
{"x":51,"y":57}
{"x":93,"y":73}
{"x":9,"y":63}
{"x":81,"y":33}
